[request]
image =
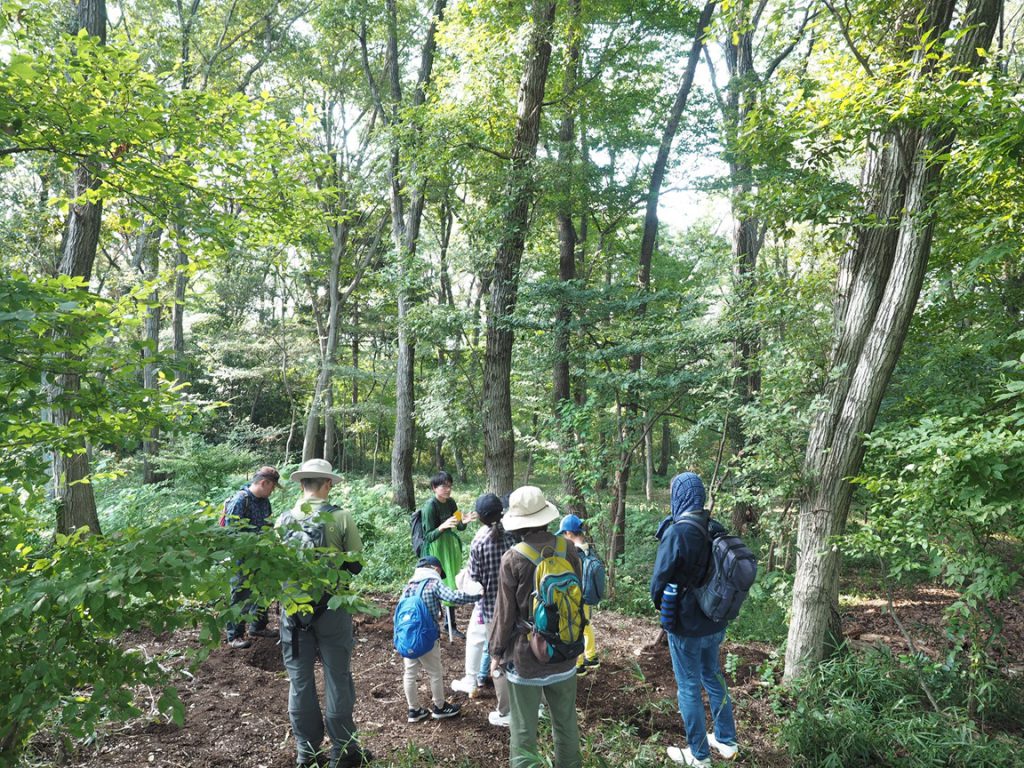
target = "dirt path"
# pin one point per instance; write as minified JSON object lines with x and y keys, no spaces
{"x":236,"y":704}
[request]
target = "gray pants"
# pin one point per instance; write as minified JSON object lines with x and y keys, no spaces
{"x":330,"y":639}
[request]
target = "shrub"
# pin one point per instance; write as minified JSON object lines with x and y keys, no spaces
{"x":872,"y":710}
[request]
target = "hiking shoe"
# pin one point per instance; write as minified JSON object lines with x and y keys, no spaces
{"x":498,"y":719}
{"x":353,"y":759}
{"x":448,"y":710}
{"x":418,"y":715}
{"x":685,"y":757}
{"x":592,"y":663}
{"x":465,"y":685}
{"x":240,"y":642}
{"x":727,"y":751}
{"x":581,"y":670}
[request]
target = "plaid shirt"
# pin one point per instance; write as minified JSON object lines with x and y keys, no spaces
{"x":484,"y":563}
{"x":436,"y":591}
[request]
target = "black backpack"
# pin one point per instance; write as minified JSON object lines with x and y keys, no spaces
{"x":730,"y":574}
{"x":416,"y":532}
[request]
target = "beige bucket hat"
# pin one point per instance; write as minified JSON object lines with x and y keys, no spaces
{"x":528,"y":508}
{"x":316,"y":468}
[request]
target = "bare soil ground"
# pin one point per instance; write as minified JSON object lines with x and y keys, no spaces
{"x":236,"y":701}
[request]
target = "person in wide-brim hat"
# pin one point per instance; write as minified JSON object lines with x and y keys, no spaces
{"x":316,"y":468}
{"x":528,"y":508}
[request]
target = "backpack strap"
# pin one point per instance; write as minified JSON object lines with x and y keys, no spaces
{"x":531,"y":553}
{"x":702,"y":523}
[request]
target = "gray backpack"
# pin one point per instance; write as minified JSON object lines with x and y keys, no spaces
{"x":731,"y":571}
{"x":305,"y":533}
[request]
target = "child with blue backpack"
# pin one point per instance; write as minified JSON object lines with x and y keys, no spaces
{"x":417,"y":636}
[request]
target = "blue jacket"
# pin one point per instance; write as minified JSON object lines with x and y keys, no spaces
{"x":683,"y":554}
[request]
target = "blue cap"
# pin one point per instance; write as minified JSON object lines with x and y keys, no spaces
{"x":431,"y":562}
{"x":571,"y":524}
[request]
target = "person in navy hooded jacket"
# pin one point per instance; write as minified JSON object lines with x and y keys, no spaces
{"x":693,"y":639}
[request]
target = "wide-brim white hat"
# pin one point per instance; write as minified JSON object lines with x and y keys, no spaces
{"x":528,"y":508}
{"x":316,"y":468}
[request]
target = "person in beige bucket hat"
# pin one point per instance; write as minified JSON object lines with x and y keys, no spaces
{"x":528,"y":508}
{"x":528,"y":517}
{"x":330,"y":637}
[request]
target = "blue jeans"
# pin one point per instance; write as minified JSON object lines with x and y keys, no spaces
{"x":485,"y":662}
{"x":695,"y":663}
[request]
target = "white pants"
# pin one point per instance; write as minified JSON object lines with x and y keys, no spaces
{"x":476,"y":639}
{"x":431,"y":663}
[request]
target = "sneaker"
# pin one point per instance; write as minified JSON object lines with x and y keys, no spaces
{"x":465,"y":685}
{"x":592,"y":663}
{"x":240,"y":642}
{"x":685,"y":757}
{"x":581,"y":670}
{"x":418,"y":715}
{"x":727,"y":751}
{"x":482,"y":681}
{"x":353,"y":759}
{"x":496,"y":718}
{"x":448,"y":710}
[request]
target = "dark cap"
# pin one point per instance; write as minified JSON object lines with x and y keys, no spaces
{"x":489,"y":508}
{"x":431,"y":562}
{"x":267,"y":473}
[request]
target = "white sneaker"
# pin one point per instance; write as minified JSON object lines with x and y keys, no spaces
{"x":465,"y":685}
{"x":685,"y":757}
{"x":496,"y":718}
{"x":727,"y":751}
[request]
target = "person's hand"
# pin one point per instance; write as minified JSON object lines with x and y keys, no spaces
{"x":448,"y":524}
{"x":495,"y":666}
{"x":469,"y":517}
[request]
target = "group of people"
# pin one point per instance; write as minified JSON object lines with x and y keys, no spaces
{"x":499,"y":581}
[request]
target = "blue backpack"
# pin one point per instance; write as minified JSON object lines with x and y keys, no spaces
{"x":595,"y":579}
{"x":416,"y":631}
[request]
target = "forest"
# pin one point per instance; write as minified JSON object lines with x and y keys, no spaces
{"x":583,"y":245}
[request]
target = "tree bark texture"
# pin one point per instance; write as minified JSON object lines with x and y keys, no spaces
{"x":405,"y":231}
{"x":76,"y":504}
{"x":567,"y":243}
{"x":149,"y":253}
{"x":878,"y":286}
{"x":499,"y":439}
{"x":650,"y":235}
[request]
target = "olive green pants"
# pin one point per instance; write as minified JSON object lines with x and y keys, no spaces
{"x":524,"y":702}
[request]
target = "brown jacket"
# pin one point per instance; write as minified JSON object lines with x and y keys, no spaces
{"x":507,"y":641}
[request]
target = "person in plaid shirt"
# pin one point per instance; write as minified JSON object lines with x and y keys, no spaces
{"x":489,"y":544}
{"x":429,"y":569}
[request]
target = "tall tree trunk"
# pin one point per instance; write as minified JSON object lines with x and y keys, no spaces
{"x":567,"y":240}
{"x":149,"y":256}
{"x":746,"y":243}
{"x":405,"y":231}
{"x":878,"y":286}
{"x":666,"y":447}
{"x":648,"y":241}
{"x":499,"y":439}
{"x":76,"y":504}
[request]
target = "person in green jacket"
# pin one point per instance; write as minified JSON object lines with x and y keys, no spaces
{"x":441,"y":518}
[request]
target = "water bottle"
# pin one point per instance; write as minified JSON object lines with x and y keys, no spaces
{"x":669,"y":604}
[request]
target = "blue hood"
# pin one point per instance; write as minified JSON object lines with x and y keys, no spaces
{"x":687,"y":496}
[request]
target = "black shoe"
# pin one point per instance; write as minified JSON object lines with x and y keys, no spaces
{"x":354,"y":758}
{"x":581,"y":670}
{"x":448,"y":710}
{"x":418,"y":715}
{"x":592,"y":663}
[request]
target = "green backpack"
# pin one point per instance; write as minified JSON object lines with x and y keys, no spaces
{"x":556,"y":631}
